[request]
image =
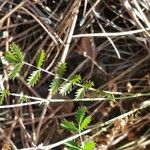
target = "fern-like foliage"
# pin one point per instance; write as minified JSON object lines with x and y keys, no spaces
{"x":4,"y":94}
{"x":35,"y":76}
{"x":16,"y":57}
{"x":60,"y":69}
{"x":57,"y":81}
{"x":55,"y":85}
{"x":10,"y":57}
{"x":75,"y":79}
{"x":88,"y":84}
{"x":70,"y":126}
{"x":85,"y":123}
{"x":80,"y":93}
{"x":40,"y":59}
{"x":81,"y":120}
{"x":90,"y":145}
{"x":72,"y":145}
{"x":14,"y":72}
{"x":67,"y":87}
{"x":80,"y":114}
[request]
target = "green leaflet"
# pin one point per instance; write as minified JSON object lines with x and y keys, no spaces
{"x":9,"y":56}
{"x":40,"y":59}
{"x":90,"y":145}
{"x":67,"y":87}
{"x":80,"y":93}
{"x":80,"y":114}
{"x":57,"y":81}
{"x":4,"y":94}
{"x":34,"y":77}
{"x":70,"y":126}
{"x":72,"y":145}
{"x":16,"y":50}
{"x":81,"y":120}
{"x":75,"y":79}
{"x":15,"y":71}
{"x":55,"y":85}
{"x":85,"y":123}
{"x":60,"y":69}
{"x":16,"y":57}
{"x":88,"y":84}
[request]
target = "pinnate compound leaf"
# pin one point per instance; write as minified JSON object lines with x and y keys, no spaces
{"x":68,"y":125}
{"x":72,"y":145}
{"x":80,"y":114}
{"x":80,"y":93}
{"x":90,"y":145}
{"x":57,"y":81}
{"x":15,"y":71}
{"x":85,"y":123}
{"x":34,"y":77}
{"x":10,"y":57}
{"x":14,"y":56}
{"x":16,"y":51}
{"x":40,"y":59}
{"x":67,"y":87}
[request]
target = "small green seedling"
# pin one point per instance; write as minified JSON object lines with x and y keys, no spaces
{"x":81,"y":123}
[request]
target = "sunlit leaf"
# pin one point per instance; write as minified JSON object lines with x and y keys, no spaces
{"x":80,"y":93}
{"x":72,"y":145}
{"x":60,"y":69}
{"x":10,"y":57}
{"x":68,"y":125}
{"x":88,"y":84}
{"x":75,"y":79}
{"x":4,"y":94}
{"x":90,"y":145}
{"x":15,"y":71}
{"x":80,"y":114}
{"x":85,"y":123}
{"x":55,"y":85}
{"x":40,"y":59}
{"x":34,"y":77}
{"x":16,"y":51}
{"x":66,"y":89}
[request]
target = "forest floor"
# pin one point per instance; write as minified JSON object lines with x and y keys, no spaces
{"x":106,"y":42}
